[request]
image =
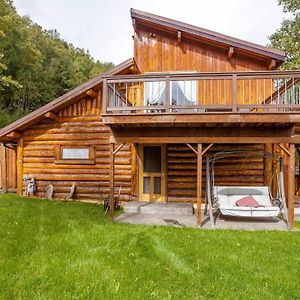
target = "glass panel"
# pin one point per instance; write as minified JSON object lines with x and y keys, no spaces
{"x":155,"y":93}
{"x":184,"y":92}
{"x":75,"y":153}
{"x":146,"y":185}
{"x":152,"y":159}
{"x":157,"y":185}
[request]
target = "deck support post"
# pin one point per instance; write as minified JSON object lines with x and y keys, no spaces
{"x":268,"y":164}
{"x":286,"y":169}
{"x":199,"y":183}
{"x":112,"y":182}
{"x":291,"y":186}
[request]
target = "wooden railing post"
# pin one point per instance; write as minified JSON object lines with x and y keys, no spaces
{"x":234,"y":93}
{"x":104,"y":96}
{"x":168,"y":90}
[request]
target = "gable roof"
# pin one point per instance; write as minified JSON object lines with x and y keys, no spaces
{"x":64,"y":100}
{"x":206,"y":35}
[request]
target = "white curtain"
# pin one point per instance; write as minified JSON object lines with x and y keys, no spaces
{"x":154,"y":93}
{"x":189,"y":90}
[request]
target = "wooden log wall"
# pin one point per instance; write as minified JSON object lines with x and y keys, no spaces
{"x":76,"y":125}
{"x":182,"y":170}
{"x":8,"y":169}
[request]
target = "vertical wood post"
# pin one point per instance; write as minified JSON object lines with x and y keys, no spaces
{"x":199,"y":183}
{"x":168,"y":89}
{"x":20,"y":167}
{"x":166,"y":174}
{"x":105,"y":102}
{"x":275,"y":182}
{"x":268,"y":164}
{"x":291,"y":186}
{"x":4,"y":175}
{"x":234,"y":92}
{"x":112,"y":182}
{"x":134,"y":174}
{"x":286,"y":171}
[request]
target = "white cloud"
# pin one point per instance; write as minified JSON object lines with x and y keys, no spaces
{"x":104,"y":27}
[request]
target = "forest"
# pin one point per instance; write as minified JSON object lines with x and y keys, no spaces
{"x":37,"y":65}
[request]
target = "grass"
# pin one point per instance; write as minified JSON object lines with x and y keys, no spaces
{"x":68,"y":250}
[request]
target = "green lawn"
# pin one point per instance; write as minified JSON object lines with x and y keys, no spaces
{"x":68,"y":250}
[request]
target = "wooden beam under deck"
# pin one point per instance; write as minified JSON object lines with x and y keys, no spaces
{"x":205,"y":118}
{"x":253,"y":135}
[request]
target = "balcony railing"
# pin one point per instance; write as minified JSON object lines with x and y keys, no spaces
{"x":168,"y":93}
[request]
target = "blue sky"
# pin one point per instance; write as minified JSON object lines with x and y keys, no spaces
{"x":104,"y":26}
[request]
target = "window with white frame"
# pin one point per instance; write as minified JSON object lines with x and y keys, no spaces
{"x":75,"y":153}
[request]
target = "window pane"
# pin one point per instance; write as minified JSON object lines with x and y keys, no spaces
{"x":75,"y":153}
{"x":157,"y":185}
{"x":184,"y":92}
{"x":152,"y":159}
{"x":146,"y":185}
{"x":155,"y":93}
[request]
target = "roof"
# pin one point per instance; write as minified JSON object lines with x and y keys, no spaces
{"x":64,"y":100}
{"x":204,"y":34}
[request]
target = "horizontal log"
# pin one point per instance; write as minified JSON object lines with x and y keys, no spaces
{"x":68,"y":137}
{"x":84,"y":190}
{"x":99,"y":130}
{"x":67,"y":142}
{"x":72,"y":177}
{"x":41,"y":153}
{"x":42,"y":165}
{"x":93,"y":184}
{"x":182,"y":199}
{"x":82,"y":197}
{"x":185,"y":193}
{"x":74,"y":171}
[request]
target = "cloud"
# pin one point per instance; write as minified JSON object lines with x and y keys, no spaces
{"x":104,"y":27}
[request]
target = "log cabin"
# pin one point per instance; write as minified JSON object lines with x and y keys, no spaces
{"x":145,"y":126}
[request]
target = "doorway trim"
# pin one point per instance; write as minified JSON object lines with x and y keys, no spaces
{"x":151,"y":197}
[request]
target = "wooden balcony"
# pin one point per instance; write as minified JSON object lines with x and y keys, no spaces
{"x":202,"y":98}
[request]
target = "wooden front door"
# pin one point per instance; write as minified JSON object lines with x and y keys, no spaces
{"x":152,"y":163}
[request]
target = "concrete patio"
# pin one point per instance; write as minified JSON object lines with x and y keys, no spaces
{"x":182,"y":215}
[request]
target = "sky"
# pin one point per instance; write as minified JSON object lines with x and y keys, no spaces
{"x":104,"y":26}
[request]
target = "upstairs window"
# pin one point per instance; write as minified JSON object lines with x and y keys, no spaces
{"x":182,"y":92}
{"x":155,"y":93}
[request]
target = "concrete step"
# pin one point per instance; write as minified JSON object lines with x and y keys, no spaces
{"x":175,"y":209}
